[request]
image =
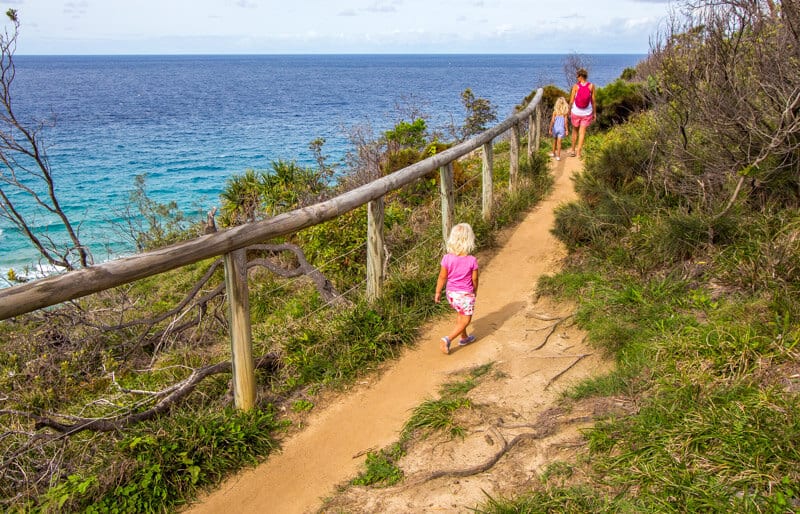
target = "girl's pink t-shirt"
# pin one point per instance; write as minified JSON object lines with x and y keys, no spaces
{"x":459,"y":272}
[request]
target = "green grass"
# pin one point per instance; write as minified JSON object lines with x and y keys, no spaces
{"x":434,"y":416}
{"x":438,"y":415}
{"x":381,"y":468}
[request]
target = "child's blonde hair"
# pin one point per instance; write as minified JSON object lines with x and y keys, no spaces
{"x":461,"y":240}
{"x":562,"y":107}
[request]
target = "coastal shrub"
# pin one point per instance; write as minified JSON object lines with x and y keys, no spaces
{"x":240,"y":198}
{"x":550,"y":93}
{"x":618,"y":101}
{"x":623,"y":158}
{"x":258,"y":194}
{"x":338,"y":247}
{"x":685,"y":234}
{"x":578,"y":224}
{"x":162,"y":468}
{"x":407,"y":135}
{"x":287,"y":186}
{"x":628,"y":74}
{"x":767,"y":255}
{"x":613,"y":188}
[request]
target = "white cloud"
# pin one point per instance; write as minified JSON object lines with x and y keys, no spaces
{"x":345,"y":26}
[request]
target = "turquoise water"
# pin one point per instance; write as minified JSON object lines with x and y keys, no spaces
{"x":190,"y":122}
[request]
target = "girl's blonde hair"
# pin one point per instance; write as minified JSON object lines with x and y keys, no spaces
{"x":562,"y":107}
{"x":461,"y":240}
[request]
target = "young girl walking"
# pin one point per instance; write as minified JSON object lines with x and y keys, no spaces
{"x":559,"y":128}
{"x":459,"y":270}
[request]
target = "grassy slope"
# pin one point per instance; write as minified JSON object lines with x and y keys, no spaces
{"x":707,"y":350}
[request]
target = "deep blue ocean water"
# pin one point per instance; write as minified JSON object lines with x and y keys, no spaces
{"x":190,"y":122}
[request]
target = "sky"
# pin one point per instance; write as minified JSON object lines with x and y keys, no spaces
{"x":78,"y":27}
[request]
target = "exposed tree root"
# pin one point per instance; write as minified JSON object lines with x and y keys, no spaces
{"x":543,"y":427}
{"x":553,"y":328}
{"x":576,"y":361}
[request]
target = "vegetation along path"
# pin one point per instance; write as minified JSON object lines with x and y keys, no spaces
{"x":534,"y":353}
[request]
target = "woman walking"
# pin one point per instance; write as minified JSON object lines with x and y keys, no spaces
{"x":582,"y":109}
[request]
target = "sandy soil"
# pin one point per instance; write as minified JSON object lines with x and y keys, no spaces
{"x":536,"y":352}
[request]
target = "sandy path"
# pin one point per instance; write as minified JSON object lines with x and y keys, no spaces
{"x":312,"y":462}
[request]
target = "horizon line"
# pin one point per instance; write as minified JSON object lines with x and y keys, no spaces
{"x":252,"y":54}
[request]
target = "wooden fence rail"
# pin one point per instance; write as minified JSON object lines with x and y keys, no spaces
{"x":56,"y":289}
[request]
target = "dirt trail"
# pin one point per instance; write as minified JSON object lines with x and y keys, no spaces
{"x":510,"y":326}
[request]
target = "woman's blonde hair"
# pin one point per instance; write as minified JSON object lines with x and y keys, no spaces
{"x":562,"y":107}
{"x":461,"y":240}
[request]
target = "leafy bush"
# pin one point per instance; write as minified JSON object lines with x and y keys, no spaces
{"x":164,"y":468}
{"x":618,"y":101}
{"x":623,"y":157}
{"x":767,"y":255}
{"x":337,"y":247}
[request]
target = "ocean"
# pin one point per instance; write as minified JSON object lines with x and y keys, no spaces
{"x":191,"y":122}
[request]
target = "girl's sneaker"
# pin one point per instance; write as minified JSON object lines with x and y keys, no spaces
{"x":464,"y":341}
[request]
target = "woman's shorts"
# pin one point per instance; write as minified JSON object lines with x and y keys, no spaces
{"x":463,"y":303}
{"x":582,"y":121}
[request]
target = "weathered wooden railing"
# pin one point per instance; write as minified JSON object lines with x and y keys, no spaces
{"x":231,"y":243}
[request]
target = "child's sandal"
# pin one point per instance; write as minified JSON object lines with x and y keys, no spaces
{"x":445,"y":345}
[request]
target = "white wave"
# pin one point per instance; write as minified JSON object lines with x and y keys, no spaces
{"x":27,"y":273}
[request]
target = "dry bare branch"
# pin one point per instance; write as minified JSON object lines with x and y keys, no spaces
{"x":165,"y":400}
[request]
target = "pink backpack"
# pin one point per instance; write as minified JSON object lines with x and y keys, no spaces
{"x":583,"y":95}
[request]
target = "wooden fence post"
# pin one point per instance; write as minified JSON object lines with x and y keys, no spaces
{"x":448,"y":198}
{"x":513,"y":172}
{"x":538,"y":127}
{"x":375,"y":243}
{"x":488,"y":166}
{"x":244,"y":392}
{"x":530,"y":138}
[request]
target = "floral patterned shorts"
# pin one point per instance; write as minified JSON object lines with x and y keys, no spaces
{"x":463,"y":303}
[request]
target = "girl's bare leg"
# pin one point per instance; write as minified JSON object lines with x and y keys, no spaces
{"x":462,"y":321}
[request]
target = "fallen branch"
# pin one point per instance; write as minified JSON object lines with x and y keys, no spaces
{"x":168,"y":398}
{"x":323,"y":285}
{"x":192,"y":301}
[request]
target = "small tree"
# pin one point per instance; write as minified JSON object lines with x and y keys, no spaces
{"x":480,"y":112}
{"x":571,"y":64}
{"x":150,"y":224}
{"x":25,"y":171}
